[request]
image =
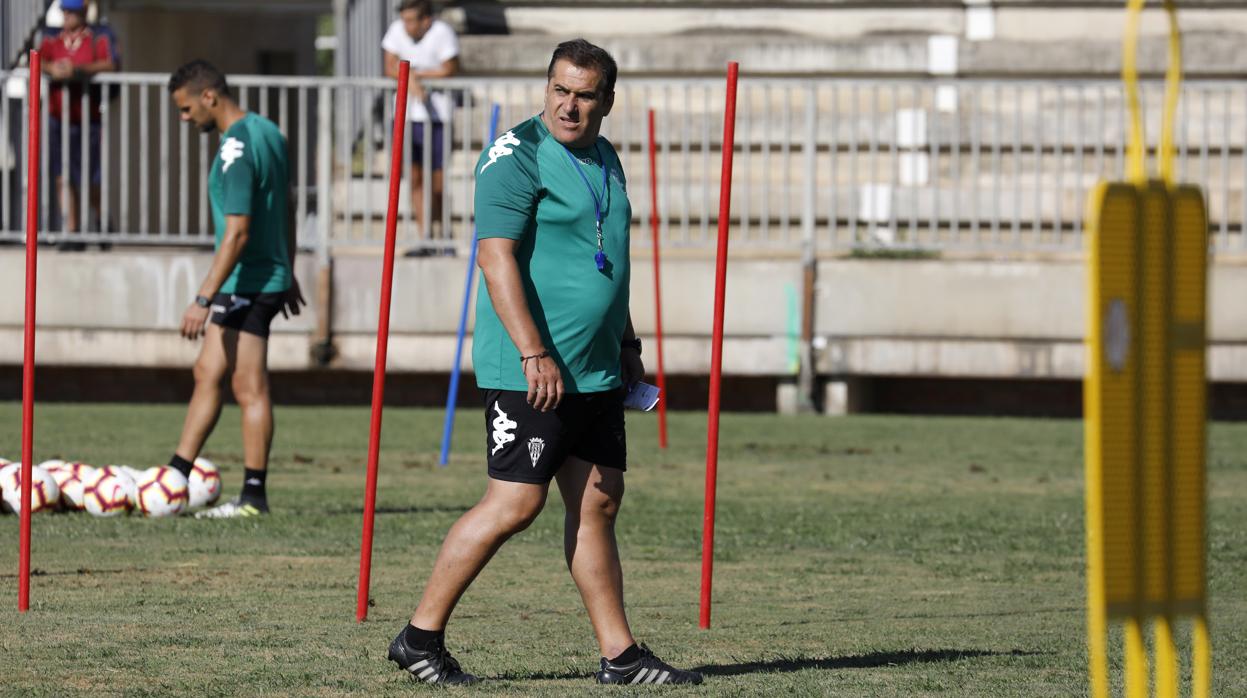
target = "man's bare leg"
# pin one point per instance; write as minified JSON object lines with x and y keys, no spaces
{"x":417,"y":200}
{"x":205,"y":405}
{"x":248,"y":356}
{"x":506,"y":509}
{"x":251,"y":390}
{"x":435,"y":212}
{"x":592,"y":495}
{"x":69,"y":201}
{"x":94,"y":196}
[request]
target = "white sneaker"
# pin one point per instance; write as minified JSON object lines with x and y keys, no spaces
{"x":233,"y":509}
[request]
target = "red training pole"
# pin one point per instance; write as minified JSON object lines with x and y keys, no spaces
{"x":383,"y":342}
{"x":653,"y":221}
{"x":716,"y":352}
{"x":28,"y":334}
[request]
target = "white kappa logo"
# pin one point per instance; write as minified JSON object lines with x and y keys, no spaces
{"x":535,"y":446}
{"x":231,"y":150}
{"x":502,"y":430}
{"x":500,"y":149}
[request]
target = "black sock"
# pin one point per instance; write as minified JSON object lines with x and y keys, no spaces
{"x":628,"y":656}
{"x":181,"y":465}
{"x":253,"y":485}
{"x":423,"y":640}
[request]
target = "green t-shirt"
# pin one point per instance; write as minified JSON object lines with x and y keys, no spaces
{"x":528,"y":189}
{"x":250,"y":177}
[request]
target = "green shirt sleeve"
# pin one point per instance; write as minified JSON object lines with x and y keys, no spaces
{"x":507,"y":188}
{"x":237,"y":177}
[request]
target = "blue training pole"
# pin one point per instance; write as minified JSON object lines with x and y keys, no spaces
{"x":453,"y":392}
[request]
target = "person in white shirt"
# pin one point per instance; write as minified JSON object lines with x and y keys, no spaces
{"x":432,"y":49}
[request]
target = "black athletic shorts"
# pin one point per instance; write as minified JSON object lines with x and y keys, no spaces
{"x":525,"y":445}
{"x":246,"y":312}
{"x":436,"y":141}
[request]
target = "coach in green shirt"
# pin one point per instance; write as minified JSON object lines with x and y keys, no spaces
{"x":251,"y":279}
{"x":553,"y":350}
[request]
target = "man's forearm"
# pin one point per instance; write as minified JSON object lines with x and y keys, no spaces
{"x":292,"y":233}
{"x":506,"y":291}
{"x":226,"y":256}
{"x":89,"y":69}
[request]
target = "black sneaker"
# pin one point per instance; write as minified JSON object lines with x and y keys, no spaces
{"x":436,"y":666}
{"x":648,"y":670}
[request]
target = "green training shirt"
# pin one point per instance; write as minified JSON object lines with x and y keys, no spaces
{"x":528,"y":189}
{"x":250,"y":177}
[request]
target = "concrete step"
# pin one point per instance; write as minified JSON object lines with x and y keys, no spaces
{"x":1019,"y":19}
{"x":1211,"y":53}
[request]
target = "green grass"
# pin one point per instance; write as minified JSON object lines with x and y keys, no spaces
{"x":862,"y":556}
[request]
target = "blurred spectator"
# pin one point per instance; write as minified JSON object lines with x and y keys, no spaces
{"x":432,"y":49}
{"x":71,"y":56}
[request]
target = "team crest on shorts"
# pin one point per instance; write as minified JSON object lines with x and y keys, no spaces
{"x":535,"y":446}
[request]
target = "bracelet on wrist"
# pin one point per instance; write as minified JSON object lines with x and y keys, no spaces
{"x":542,"y":355}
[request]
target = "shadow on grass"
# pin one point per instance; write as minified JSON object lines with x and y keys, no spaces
{"x":786,"y":664}
{"x":865,"y":661}
{"x":75,"y":572}
{"x":936,"y":616}
{"x":403,"y":510}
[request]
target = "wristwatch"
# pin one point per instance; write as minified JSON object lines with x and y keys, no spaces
{"x":634,"y":343}
{"x":203,"y":301}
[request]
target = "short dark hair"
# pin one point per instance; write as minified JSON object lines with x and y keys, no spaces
{"x":198,"y":75}
{"x":424,"y":8}
{"x":583,"y":54}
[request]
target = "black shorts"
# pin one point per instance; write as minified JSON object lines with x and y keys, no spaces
{"x":75,"y":151}
{"x":525,"y":445}
{"x":437,"y":158}
{"x":246,"y":312}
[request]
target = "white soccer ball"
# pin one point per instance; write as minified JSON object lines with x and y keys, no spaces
{"x":5,"y":468}
{"x":44,"y":494}
{"x":162,"y":491}
{"x":123,"y":475}
{"x":52,"y":465}
{"x":204,"y":483}
{"x":134,"y":473}
{"x":70,"y":478}
{"x":104,"y":494}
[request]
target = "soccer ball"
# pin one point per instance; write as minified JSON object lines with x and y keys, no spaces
{"x":5,"y":468}
{"x":44,"y":494}
{"x":70,"y":478}
{"x":205,"y":483}
{"x":52,"y":465}
{"x":123,"y":475}
{"x":104,"y":494}
{"x":162,"y":491}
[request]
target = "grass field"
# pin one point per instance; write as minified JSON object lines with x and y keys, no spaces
{"x":862,"y":556}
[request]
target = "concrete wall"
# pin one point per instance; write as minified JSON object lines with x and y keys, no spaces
{"x":930,"y":318}
{"x":828,"y":37}
{"x":834,"y":37}
{"x":158,"y":40}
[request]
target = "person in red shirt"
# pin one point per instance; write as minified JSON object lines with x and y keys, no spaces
{"x":71,"y":57}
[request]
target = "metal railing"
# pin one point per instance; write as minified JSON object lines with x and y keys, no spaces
{"x":983,"y":166}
